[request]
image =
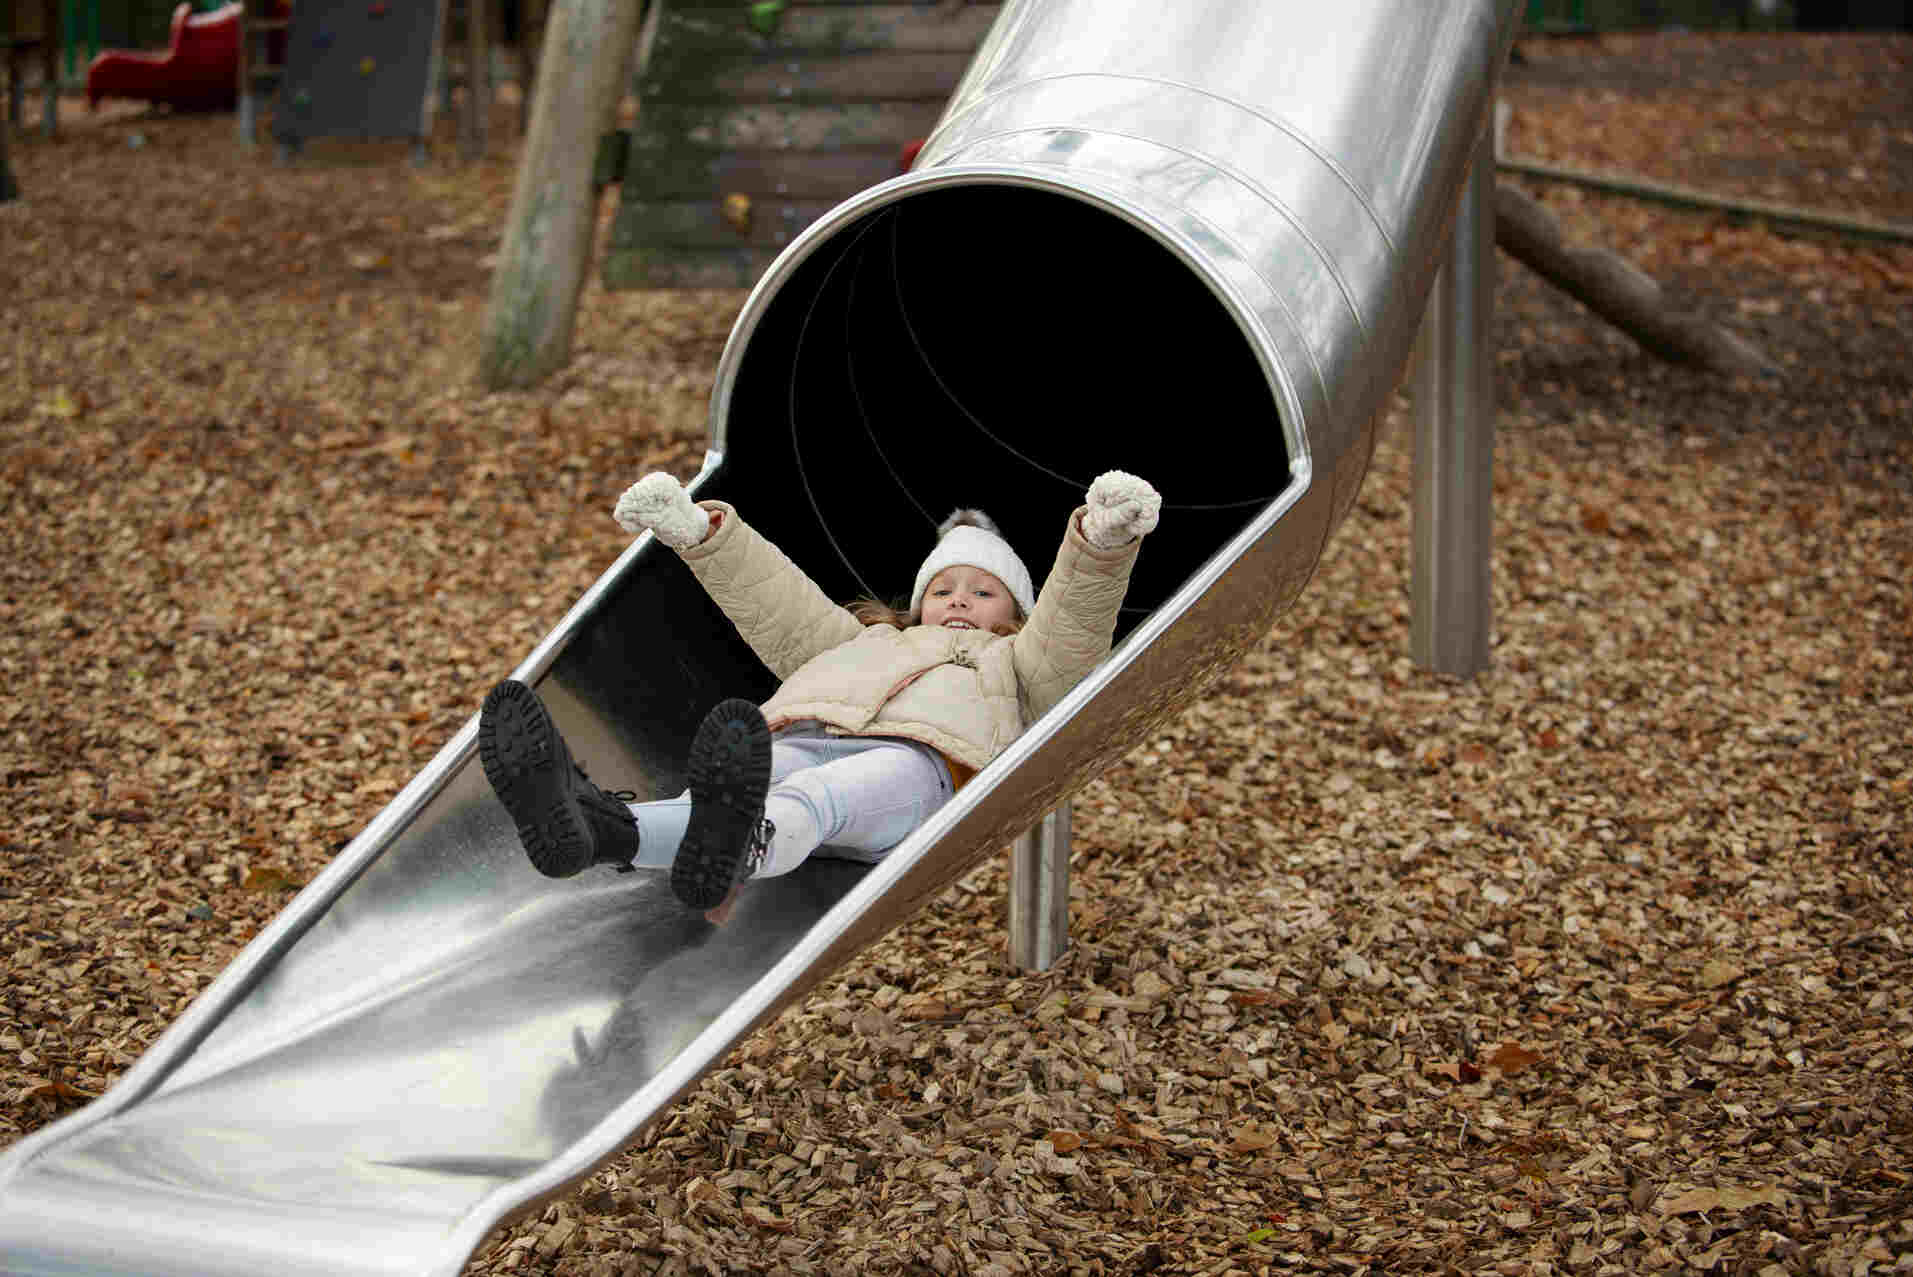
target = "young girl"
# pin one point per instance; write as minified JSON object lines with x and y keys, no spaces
{"x":882,"y":714}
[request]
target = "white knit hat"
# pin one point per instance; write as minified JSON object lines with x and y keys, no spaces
{"x":970,"y":538}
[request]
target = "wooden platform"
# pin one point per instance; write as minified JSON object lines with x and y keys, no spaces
{"x":755,"y":120}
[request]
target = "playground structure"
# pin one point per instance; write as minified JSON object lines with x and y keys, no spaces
{"x":383,"y":69}
{"x":756,"y":123}
{"x":359,"y":70}
{"x":432,"y":1037}
{"x":199,"y":70}
{"x":371,"y":70}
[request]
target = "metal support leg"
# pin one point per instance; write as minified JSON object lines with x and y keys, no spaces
{"x":1454,"y":444}
{"x":1039,"y":893}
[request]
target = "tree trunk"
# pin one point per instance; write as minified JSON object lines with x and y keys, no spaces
{"x":548,"y":239}
{"x":1617,"y":291}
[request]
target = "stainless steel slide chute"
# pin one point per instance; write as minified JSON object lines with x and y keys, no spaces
{"x":1190,"y":240}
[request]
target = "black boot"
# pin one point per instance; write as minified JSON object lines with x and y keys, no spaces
{"x":730,"y":774}
{"x":566,"y":823}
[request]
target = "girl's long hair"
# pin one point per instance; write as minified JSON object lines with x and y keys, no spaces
{"x":876,"y":612}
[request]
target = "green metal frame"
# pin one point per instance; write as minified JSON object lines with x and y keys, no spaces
{"x":1541,"y":19}
{"x":79,"y":28}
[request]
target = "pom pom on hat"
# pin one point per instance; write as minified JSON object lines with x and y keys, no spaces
{"x":970,"y":538}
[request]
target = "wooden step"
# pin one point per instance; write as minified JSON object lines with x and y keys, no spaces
{"x":810,"y":77}
{"x":697,"y":33}
{"x":786,"y":116}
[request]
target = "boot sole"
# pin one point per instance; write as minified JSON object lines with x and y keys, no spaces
{"x":529,"y":768}
{"x":730,"y":772}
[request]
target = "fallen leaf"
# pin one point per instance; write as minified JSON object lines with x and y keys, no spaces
{"x":1512,"y":1059}
{"x":1253,"y":1137}
{"x":269,"y":878}
{"x":1150,"y":985}
{"x":1697,"y":1201}
{"x":1717,"y":973}
{"x":57,"y":1088}
{"x":1460,"y":1071}
{"x":766,"y":1218}
{"x":1255,"y":998}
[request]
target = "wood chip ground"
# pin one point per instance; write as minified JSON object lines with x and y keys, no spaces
{"x":1597,"y":963}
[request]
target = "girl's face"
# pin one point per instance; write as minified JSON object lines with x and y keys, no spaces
{"x":963,"y":597}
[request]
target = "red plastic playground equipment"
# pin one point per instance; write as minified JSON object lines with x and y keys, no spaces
{"x":199,"y":71}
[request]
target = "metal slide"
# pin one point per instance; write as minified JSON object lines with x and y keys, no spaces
{"x":1190,"y":239}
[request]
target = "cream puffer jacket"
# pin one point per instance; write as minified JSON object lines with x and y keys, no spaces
{"x":965,"y":693}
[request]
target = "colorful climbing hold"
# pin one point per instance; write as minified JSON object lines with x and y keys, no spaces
{"x":380,"y":9}
{"x":366,"y":65}
{"x":736,"y":212}
{"x":764,"y":15}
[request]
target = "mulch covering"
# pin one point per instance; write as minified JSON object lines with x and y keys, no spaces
{"x":1595,"y":963}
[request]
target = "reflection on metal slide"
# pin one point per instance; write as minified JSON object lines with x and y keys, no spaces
{"x":1191,"y":240}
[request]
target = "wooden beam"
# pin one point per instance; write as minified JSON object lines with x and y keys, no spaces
{"x":1683,"y":197}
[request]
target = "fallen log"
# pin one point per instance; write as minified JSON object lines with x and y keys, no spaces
{"x":1618,"y":291}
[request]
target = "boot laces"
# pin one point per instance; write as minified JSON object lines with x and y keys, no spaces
{"x":622,"y":795}
{"x":757,"y":847}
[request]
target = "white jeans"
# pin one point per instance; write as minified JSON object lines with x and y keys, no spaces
{"x":855,"y":797}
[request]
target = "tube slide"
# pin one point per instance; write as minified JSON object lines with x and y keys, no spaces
{"x":1193,"y":240}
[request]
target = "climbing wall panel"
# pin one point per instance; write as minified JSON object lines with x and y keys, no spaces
{"x":756,"y":119}
{"x":356,"y":69}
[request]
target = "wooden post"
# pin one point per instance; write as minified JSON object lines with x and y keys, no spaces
{"x":50,"y":75}
{"x":478,"y":77}
{"x":582,"y":76}
{"x":9,"y":189}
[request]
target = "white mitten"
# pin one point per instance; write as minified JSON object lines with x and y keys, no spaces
{"x":1121,"y":508}
{"x":660,"y":503}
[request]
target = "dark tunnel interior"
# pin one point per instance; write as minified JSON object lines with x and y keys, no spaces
{"x":994,"y":346}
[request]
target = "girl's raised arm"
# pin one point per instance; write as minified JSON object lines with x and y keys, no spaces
{"x":1070,"y":630}
{"x":784,"y":616}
